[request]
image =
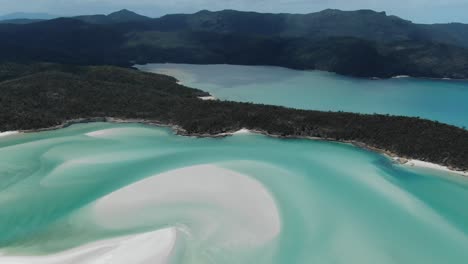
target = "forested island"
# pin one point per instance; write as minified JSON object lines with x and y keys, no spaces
{"x":361,"y":43}
{"x":44,"y":95}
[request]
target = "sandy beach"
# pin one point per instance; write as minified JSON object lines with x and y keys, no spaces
{"x":8,"y":133}
{"x":432,"y":166}
{"x":243,"y":131}
{"x":208,"y":98}
{"x":410,"y":163}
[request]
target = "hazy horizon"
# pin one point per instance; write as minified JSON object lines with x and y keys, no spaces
{"x":419,"y":11}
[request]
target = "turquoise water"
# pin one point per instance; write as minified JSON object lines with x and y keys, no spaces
{"x":441,"y":100}
{"x":334,"y":203}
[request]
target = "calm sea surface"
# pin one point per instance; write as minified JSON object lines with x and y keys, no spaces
{"x":442,"y":100}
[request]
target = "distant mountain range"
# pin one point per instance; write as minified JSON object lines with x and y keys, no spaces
{"x":20,"y":21}
{"x":363,"y":24}
{"x":25,"y":18}
{"x":359,"y":43}
{"x":23,"y":15}
{"x":121,"y":16}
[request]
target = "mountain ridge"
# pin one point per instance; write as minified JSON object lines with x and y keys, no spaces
{"x":362,"y":43}
{"x":121,"y":16}
{"x":26,"y":15}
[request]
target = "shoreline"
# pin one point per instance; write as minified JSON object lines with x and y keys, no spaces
{"x":414,"y":163}
{"x":8,"y":133}
{"x":208,"y":98}
{"x":398,"y":76}
{"x":406,"y":161}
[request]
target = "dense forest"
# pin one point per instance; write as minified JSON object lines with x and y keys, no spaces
{"x":41,"y":95}
{"x":360,"y":43}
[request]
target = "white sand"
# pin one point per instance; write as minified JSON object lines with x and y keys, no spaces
{"x":243,"y":131}
{"x":8,"y":133}
{"x":221,"y":206}
{"x":124,"y":132}
{"x":181,"y":75}
{"x":428,"y":165}
{"x":401,"y":76}
{"x":148,"y":248}
{"x":109,"y":132}
{"x":208,"y":98}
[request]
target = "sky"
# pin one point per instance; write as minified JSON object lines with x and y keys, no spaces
{"x":421,"y":11}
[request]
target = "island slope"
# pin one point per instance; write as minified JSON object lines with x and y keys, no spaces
{"x":360,"y":43}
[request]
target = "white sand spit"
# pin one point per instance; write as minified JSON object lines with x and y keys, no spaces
{"x":124,"y":132}
{"x":221,"y":206}
{"x":208,"y":98}
{"x":243,"y":131}
{"x":428,"y":165}
{"x":109,"y":132}
{"x":147,"y":248}
{"x":8,"y":133}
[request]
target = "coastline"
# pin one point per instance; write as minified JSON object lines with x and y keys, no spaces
{"x":427,"y":165}
{"x":8,"y":133}
{"x":386,"y":77}
{"x":178,"y":130}
{"x":208,"y":98}
{"x":407,"y":162}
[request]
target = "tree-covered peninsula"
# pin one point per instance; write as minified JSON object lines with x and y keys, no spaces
{"x":43,"y":95}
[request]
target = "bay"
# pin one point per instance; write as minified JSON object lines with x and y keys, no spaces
{"x":440,"y":100}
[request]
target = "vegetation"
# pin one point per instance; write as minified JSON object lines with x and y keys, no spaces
{"x":44,"y":95}
{"x":360,"y":43}
{"x":20,"y":21}
{"x":122,"y":16}
{"x":361,"y":24}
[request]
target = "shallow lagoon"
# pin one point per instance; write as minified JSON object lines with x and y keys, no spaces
{"x":441,"y":100}
{"x":279,"y":201}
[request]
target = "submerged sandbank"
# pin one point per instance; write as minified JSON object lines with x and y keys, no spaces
{"x":234,"y":208}
{"x":153,"y":247}
{"x":147,"y":178}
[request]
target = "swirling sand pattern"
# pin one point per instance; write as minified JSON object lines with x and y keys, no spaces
{"x":121,"y":193}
